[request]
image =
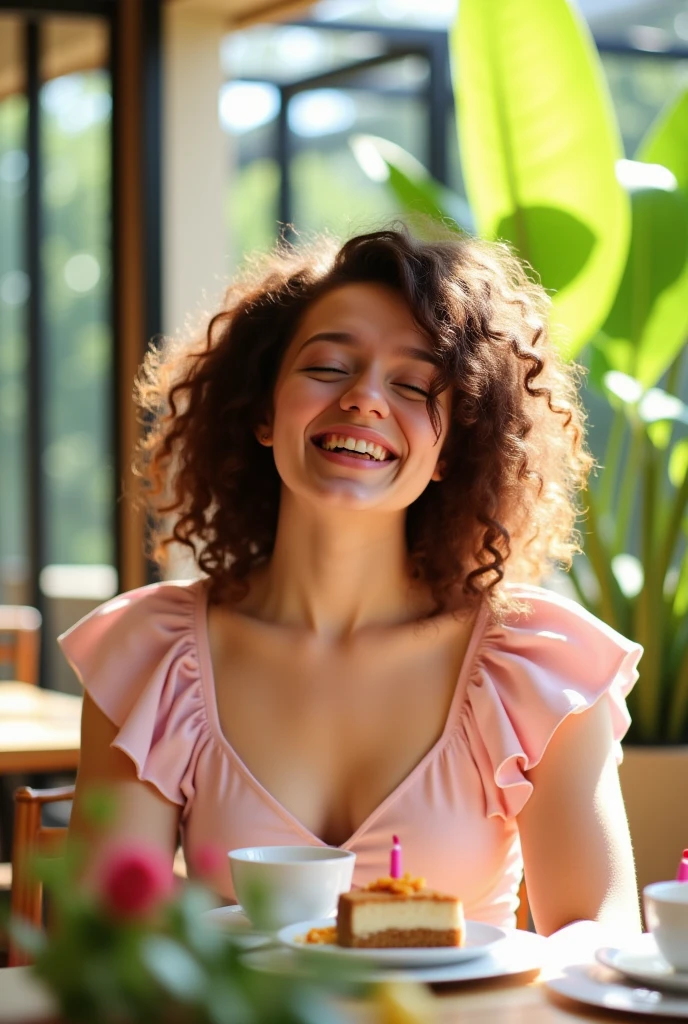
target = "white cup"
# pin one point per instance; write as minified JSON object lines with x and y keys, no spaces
{"x":281,"y":885}
{"x":666,"y":915}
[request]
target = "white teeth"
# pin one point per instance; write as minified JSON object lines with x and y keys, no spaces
{"x":376,"y":451}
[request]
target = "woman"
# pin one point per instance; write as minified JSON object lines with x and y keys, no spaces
{"x":374,"y":455}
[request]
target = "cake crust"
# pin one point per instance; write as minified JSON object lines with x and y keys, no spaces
{"x":397,"y":938}
{"x":384,"y":931}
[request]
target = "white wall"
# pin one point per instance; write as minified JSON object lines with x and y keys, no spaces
{"x":194,"y":166}
{"x":194,"y":175}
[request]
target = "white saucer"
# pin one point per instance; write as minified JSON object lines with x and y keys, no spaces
{"x":517,"y":953}
{"x":233,"y":920}
{"x":595,"y":985}
{"x":643,"y":962}
{"x":479,"y":939}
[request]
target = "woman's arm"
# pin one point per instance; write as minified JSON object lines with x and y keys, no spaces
{"x":574,"y":832}
{"x":140,"y":811}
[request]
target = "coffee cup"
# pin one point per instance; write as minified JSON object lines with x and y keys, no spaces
{"x":666,"y":916}
{"x":282,"y":885}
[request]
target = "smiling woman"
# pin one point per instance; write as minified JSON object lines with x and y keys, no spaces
{"x":451,"y":332}
{"x":374,"y":453}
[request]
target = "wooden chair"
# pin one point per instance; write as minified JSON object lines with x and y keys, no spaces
{"x":523,"y":912}
{"x":32,"y":838}
{"x":20,"y":637}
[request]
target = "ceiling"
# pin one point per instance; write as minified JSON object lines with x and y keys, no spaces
{"x":80,"y":43}
{"x":246,"y":12}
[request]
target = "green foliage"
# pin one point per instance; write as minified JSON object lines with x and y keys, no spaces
{"x":171,"y":964}
{"x":539,"y":150}
{"x":538,"y":142}
{"x":409,"y":182}
{"x":647,"y":324}
{"x":75,"y":264}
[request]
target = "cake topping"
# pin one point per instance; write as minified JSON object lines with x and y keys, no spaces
{"x":320,"y":936}
{"x":404,"y":886}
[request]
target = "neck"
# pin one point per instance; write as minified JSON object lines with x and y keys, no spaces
{"x":336,"y":572}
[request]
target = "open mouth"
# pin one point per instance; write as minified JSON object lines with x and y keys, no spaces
{"x":356,"y":448}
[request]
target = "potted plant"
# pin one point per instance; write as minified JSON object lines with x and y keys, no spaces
{"x":608,"y":237}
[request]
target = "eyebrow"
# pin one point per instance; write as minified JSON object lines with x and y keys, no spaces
{"x":345,"y":338}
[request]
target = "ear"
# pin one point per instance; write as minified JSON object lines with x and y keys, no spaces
{"x":264,"y":435}
{"x":439,"y":472}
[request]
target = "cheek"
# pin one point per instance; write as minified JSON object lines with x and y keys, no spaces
{"x":422,"y":433}
{"x":293,"y":402}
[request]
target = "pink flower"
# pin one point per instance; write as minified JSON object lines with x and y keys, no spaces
{"x":135,"y":879}
{"x":207,"y":860}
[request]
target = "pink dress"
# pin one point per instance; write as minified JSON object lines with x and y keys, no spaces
{"x":144,"y":658}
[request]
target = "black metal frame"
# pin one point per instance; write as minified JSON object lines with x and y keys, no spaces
{"x":35,"y":427}
{"x":32,"y":14}
{"x":400,"y":42}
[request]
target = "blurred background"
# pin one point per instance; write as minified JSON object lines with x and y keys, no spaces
{"x":145,"y":147}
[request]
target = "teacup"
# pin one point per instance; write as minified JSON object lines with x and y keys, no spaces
{"x":666,"y":915}
{"x":281,"y":885}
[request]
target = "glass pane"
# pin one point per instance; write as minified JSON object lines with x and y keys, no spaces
{"x":287,"y":53}
{"x":247,"y":112}
{"x":76,"y":264}
{"x":640,"y":87}
{"x":329,"y":189}
{"x":14,"y":294}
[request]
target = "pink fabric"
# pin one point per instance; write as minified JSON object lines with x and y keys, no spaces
{"x":145,"y":660}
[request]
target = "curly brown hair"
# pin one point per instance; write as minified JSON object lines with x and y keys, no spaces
{"x":514,"y":460}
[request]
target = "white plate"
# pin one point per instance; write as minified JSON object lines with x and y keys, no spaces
{"x":643,"y":962}
{"x":595,"y":985}
{"x":234,"y":920}
{"x":519,"y":953}
{"x":479,"y":939}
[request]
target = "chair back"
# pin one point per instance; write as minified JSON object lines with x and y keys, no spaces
{"x":20,"y":638}
{"x":523,"y":912}
{"x":32,"y":838}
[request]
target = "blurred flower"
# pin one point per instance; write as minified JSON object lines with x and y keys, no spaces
{"x":404,"y":1003}
{"x":135,"y":879}
{"x":207,"y":860}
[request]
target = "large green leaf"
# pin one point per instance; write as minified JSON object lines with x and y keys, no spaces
{"x":666,"y":142}
{"x":648,"y":322}
{"x":409,"y":181}
{"x":538,"y":144}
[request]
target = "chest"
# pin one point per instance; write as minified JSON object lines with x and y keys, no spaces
{"x":331,"y":731}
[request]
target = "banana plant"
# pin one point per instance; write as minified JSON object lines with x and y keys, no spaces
{"x":638,"y":506}
{"x":543,"y":170}
{"x":539,"y":142}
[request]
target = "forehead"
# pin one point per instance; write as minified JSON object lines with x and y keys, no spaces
{"x":365,"y":310}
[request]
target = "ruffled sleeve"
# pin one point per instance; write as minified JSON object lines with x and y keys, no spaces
{"x":530,"y":673}
{"x":136,"y":656}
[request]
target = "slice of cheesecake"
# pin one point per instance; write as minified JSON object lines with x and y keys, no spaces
{"x":399,"y":913}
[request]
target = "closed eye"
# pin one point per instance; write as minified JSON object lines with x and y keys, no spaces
{"x":412,"y":387}
{"x":336,"y":369}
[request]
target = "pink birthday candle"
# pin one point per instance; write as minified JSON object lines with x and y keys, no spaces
{"x":682,"y":875}
{"x":395,"y":858}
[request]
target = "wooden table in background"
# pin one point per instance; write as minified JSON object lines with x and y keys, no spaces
{"x":39,"y":729}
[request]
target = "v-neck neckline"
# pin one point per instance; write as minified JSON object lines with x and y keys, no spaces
{"x":202,"y":640}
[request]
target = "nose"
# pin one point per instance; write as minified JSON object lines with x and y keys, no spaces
{"x":366,"y":396}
